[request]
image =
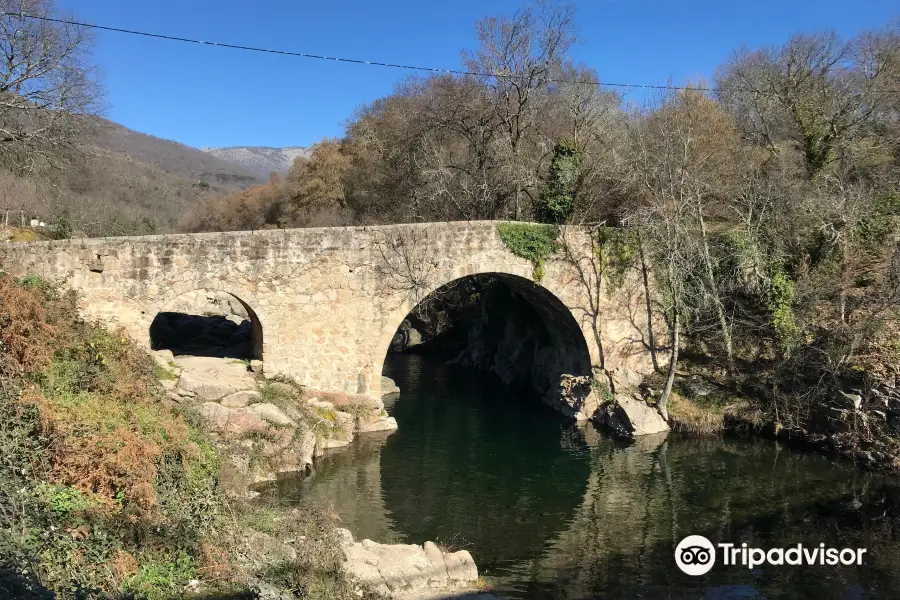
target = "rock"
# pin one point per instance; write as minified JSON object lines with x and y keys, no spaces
{"x":165,"y":359}
{"x":574,"y":396}
{"x":629,"y":417}
{"x":625,"y":380}
{"x":285,"y":389}
{"x":330,"y":444}
{"x":382,"y":424}
{"x":169,"y":384}
{"x":235,"y":319}
{"x":388,"y":386}
{"x":243,"y":421}
{"x":854,"y":399}
{"x":406,"y":570}
{"x":241,"y":399}
{"x":215,"y":415}
{"x":271,"y":413}
{"x":184,"y":393}
{"x":436,"y":557}
{"x":461,"y":568}
{"x":344,"y":536}
{"x":266,"y":550}
{"x":213,"y":378}
{"x":267,"y":591}
{"x":256,"y":366}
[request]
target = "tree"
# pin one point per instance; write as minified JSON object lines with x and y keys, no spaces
{"x":516,"y":59}
{"x":47,"y":84}
{"x":817,"y":94}
{"x":557,"y":200}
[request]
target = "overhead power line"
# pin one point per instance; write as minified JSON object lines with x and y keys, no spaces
{"x":160,"y":36}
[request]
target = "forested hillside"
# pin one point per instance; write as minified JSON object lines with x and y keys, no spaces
{"x":116,"y":181}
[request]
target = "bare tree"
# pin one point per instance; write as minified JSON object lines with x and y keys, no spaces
{"x":521,"y":51}
{"x":46,"y":83}
{"x":816,"y":94}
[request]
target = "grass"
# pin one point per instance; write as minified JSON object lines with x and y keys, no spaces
{"x":708,"y":415}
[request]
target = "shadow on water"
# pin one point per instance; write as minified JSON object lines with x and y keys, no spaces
{"x":550,"y":510}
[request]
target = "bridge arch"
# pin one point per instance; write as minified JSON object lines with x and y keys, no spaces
{"x":568,"y":335}
{"x":251,"y":308}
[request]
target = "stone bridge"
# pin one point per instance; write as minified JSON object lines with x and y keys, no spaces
{"x":326,"y":302}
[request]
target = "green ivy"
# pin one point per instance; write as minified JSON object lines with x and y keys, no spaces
{"x":616,"y":250}
{"x":603,"y":390}
{"x":781,"y":308}
{"x":532,"y":241}
{"x":557,"y":200}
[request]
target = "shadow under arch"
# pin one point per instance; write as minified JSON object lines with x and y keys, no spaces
{"x":164,"y":336}
{"x":567,"y":350}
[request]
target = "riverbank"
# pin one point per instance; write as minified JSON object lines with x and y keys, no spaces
{"x":126,"y":474}
{"x":861,"y":425}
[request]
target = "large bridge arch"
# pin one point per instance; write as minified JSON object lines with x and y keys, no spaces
{"x":326,"y":303}
{"x":563,"y":323}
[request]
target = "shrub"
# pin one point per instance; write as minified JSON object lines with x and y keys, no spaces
{"x":531,"y":241}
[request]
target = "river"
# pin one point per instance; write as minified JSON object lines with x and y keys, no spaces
{"x":549,"y":509}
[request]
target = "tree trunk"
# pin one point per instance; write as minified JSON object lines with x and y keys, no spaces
{"x":714,"y":292}
{"x":673,"y":364}
{"x":651,"y":336}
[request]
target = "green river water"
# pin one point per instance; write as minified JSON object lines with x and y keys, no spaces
{"x":549,"y":509}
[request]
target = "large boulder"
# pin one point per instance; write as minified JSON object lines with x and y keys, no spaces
{"x":395,"y":569}
{"x":630,"y":416}
{"x":241,"y":399}
{"x":213,"y":378}
{"x":271,"y":414}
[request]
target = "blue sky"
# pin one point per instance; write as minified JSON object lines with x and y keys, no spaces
{"x":204,"y":96}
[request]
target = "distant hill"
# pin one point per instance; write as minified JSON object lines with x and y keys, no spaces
{"x":123,"y":182}
{"x":174,"y":158}
{"x":261,"y":160}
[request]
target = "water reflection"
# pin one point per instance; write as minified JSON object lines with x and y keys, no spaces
{"x":550,"y":510}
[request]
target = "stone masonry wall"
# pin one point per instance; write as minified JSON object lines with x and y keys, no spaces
{"x":328,"y":300}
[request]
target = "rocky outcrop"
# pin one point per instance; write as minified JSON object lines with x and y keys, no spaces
{"x":402,"y":570}
{"x":282,"y":438}
{"x":574,"y":396}
{"x":629,"y":416}
{"x":213,"y":378}
{"x":406,"y":337}
{"x":388,"y":386}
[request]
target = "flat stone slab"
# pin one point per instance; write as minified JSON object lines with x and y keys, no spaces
{"x":213,"y":378}
{"x":383,"y":424}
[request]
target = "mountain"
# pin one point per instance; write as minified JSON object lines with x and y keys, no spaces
{"x":261,"y":160}
{"x":118,"y":181}
{"x":173,"y":158}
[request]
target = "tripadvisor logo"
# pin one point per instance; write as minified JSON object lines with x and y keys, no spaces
{"x":695,"y":555}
